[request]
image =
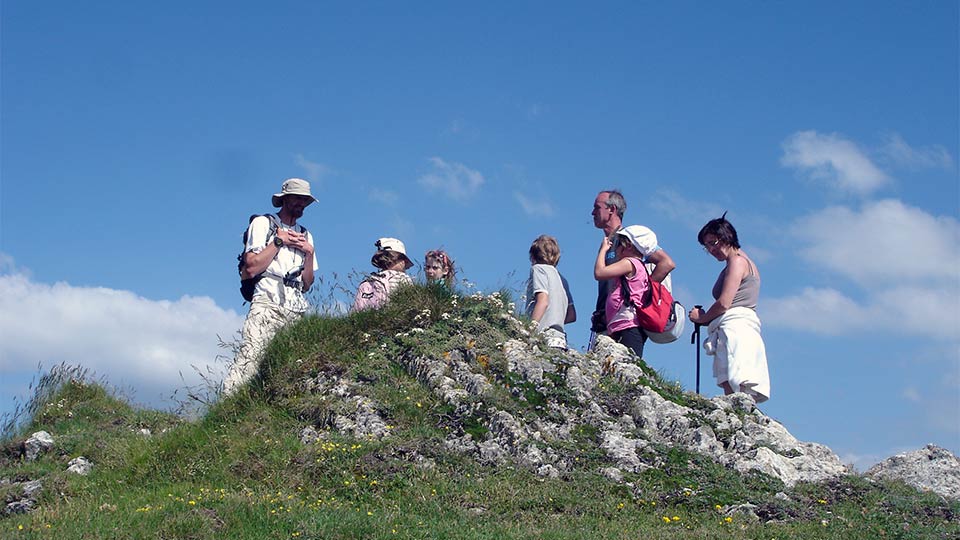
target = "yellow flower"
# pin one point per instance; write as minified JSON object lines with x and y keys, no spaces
{"x":665,"y":519}
{"x":728,"y":519}
{"x":676,"y":518}
{"x":718,"y":507}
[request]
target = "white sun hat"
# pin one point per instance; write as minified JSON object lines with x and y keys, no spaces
{"x":641,"y":237}
{"x":293,"y":186}
{"x":392,"y":244}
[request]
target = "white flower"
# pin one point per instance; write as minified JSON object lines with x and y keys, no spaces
{"x":417,"y":330}
{"x":445,"y":316}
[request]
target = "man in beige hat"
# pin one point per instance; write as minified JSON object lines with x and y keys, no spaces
{"x":280,"y":260}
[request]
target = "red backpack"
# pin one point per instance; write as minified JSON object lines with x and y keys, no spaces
{"x":654,"y":308}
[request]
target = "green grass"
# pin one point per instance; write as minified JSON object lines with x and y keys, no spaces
{"x":241,"y":472}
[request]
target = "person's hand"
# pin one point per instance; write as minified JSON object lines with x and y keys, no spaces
{"x":293,"y":239}
{"x":695,"y":315}
{"x":605,"y":244}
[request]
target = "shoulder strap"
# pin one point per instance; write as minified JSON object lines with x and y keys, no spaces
{"x":625,"y":289}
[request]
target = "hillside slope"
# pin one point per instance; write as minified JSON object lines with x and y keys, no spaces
{"x":440,"y":416}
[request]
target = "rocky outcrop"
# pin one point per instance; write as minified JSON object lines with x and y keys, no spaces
{"x":930,"y":468}
{"x":630,"y":429}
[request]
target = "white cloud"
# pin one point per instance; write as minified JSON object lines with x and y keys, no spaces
{"x":758,"y":254}
{"x":692,"y":214}
{"x":456,"y":180}
{"x":911,"y":394}
{"x":863,"y":462}
{"x":133,"y":342}
{"x":925,"y":312}
{"x":831,"y":158}
{"x":315,"y":172}
{"x":384,"y":196}
{"x":533,"y":208}
{"x":900,"y":153}
{"x":886,"y":242}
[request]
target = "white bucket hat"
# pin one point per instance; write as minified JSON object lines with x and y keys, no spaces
{"x":641,"y":237}
{"x":292,"y":186}
{"x":392,"y":244}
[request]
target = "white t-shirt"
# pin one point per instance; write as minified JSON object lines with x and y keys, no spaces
{"x":273,"y":288}
{"x":546,"y":278}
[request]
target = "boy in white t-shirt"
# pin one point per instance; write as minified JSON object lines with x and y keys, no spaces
{"x":549,"y":301}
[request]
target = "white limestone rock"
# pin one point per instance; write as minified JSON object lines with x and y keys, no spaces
{"x":930,"y":468}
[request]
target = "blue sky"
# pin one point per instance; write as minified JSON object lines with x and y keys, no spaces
{"x":137,"y":139}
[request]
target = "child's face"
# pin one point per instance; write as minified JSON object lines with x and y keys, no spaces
{"x":434,"y":269}
{"x":625,"y":249}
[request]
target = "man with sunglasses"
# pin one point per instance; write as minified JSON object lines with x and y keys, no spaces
{"x":608,"y":210}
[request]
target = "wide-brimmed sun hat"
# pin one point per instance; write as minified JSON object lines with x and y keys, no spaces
{"x":392,"y":244}
{"x":293,"y":186}
{"x":641,"y":238}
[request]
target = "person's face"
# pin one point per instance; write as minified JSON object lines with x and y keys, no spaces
{"x":434,"y":269}
{"x":713,"y":246}
{"x":295,"y":204}
{"x":623,"y":247}
{"x":601,"y":212}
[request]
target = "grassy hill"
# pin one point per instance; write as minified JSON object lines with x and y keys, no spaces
{"x":244,"y":471}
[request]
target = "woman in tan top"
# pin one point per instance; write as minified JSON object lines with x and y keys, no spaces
{"x":740,"y":358}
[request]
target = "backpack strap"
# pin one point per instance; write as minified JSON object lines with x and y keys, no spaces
{"x":625,"y":289}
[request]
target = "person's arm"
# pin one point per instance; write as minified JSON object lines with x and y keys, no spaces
{"x":662,"y":265}
{"x":309,"y":259}
{"x":260,"y":250}
{"x":540,"y":305}
{"x":600,"y":269}
{"x":736,"y":269}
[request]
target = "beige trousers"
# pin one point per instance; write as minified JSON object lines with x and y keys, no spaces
{"x":263,"y":322}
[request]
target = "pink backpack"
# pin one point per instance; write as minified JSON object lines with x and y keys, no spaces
{"x":371,"y":294}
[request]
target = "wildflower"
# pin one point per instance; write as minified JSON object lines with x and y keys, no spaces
{"x":445,"y":316}
{"x":665,"y":519}
{"x":675,"y":518}
{"x":728,"y":519}
{"x":718,"y":507}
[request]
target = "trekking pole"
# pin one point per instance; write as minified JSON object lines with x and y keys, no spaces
{"x":695,"y":336}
